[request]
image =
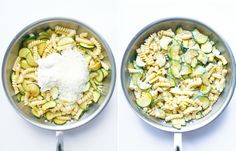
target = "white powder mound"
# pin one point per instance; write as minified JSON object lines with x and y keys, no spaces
{"x":68,"y":72}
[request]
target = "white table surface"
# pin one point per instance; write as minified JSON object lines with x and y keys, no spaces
{"x":117,"y":128}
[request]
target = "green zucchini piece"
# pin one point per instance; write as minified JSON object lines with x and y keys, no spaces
{"x":206,"y":47}
{"x":12,"y":75}
{"x":105,"y":72}
{"x":24,"y":64}
{"x":28,"y":39}
{"x":85,"y":105}
{"x":18,"y":97}
{"x":175,"y":69}
{"x":189,"y":55}
{"x":86,"y":46}
{"x":205,"y":101}
{"x":135,"y":77}
{"x":143,"y":85}
{"x":33,"y":89}
{"x":35,"y":111}
{"x":178,"y":123}
{"x":131,"y":65}
{"x":179,"y":30}
{"x":43,"y":36}
{"x":105,"y":65}
{"x":95,"y":66}
{"x":191,"y":43}
{"x":25,"y":86}
{"x":198,"y":71}
{"x":174,"y":52}
{"x":145,"y":100}
{"x":202,"y":57}
{"x":100,"y":76}
{"x":164,"y":42}
{"x":48,"y":105}
{"x":159,"y":113}
{"x":65,"y":41}
{"x":59,"y":121}
{"x":50,"y":115}
{"x":23,"y":52}
{"x":41,"y":48}
{"x":205,"y":89}
{"x":30,"y":60}
{"x":184,"y":46}
{"x":199,"y":37}
{"x":205,"y":79}
{"x":161,"y":60}
{"x":96,"y":96}
{"x":139,"y":62}
{"x":185,"y":70}
{"x":194,"y":62}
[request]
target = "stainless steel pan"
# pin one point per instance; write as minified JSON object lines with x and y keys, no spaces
{"x":220,"y":105}
{"x":23,"y":111}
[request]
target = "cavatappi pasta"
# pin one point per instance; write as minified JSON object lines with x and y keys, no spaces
{"x":177,"y":76}
{"x":46,"y":104}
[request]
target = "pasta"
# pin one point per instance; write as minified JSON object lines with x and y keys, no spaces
{"x":46,"y":104}
{"x":177,"y":76}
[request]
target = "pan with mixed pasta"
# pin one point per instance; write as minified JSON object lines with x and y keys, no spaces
{"x":47,"y":103}
{"x":177,"y":76}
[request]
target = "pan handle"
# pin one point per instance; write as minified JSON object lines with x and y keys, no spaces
{"x":178,"y":141}
{"x":60,"y":144}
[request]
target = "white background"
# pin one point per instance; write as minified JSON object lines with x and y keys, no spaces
{"x":118,"y":22}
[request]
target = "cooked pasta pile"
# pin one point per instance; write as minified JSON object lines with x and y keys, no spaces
{"x":177,"y":76}
{"x":46,"y":104}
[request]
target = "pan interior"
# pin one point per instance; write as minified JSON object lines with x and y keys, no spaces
{"x":188,"y":25}
{"x":12,"y":53}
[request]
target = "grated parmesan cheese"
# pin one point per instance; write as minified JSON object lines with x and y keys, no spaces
{"x":67,"y":71}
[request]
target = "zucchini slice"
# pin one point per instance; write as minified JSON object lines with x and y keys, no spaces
{"x":35,"y":111}
{"x":41,"y":48}
{"x":48,"y":105}
{"x":139,"y":62}
{"x":159,"y":113}
{"x":145,"y":100}
{"x":25,"y":85}
{"x":65,"y":41}
{"x":160,"y":60}
{"x":24,"y":64}
{"x":198,"y":71}
{"x":202,"y":57}
{"x":178,"y":123}
{"x":59,"y":121}
{"x":206,"y":47}
{"x":143,"y":85}
{"x":33,"y":89}
{"x":205,"y":101}
{"x":199,"y":37}
{"x":164,"y":42}
{"x":205,"y":89}
{"x":86,"y":46}
{"x":18,"y":97}
{"x":135,"y":77}
{"x":174,"y":52}
{"x":189,"y":55}
{"x":105,"y":72}
{"x":179,"y":30}
{"x":30,"y":60}
{"x":95,"y":67}
{"x":50,"y":115}
{"x":23,"y":52}
{"x":185,"y":70}
{"x":205,"y":78}
{"x":96,"y":96}
{"x":99,"y":76}
{"x":105,"y":65}
{"x":175,"y":69}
